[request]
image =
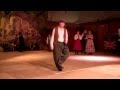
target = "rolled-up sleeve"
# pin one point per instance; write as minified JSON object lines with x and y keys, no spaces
{"x":52,"y":38}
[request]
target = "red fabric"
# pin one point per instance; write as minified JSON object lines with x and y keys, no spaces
{"x":77,"y":45}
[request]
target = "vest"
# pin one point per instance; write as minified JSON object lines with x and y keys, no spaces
{"x":56,"y":35}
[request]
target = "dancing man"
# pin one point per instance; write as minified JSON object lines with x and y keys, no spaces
{"x":58,"y":44}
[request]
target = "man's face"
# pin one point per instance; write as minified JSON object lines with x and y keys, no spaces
{"x":61,"y":24}
{"x":78,"y":32}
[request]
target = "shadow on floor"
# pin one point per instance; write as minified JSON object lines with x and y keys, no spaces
{"x":44,"y":64}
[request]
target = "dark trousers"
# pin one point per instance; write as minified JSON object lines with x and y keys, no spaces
{"x":60,"y":53}
{"x":83,"y":46}
{"x":21,"y":47}
{"x":48,"y":47}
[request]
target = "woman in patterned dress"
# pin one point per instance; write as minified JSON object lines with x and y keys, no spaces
{"x":90,"y":49}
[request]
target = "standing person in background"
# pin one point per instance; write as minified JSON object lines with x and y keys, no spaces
{"x":90,"y":49}
{"x":58,"y":43}
{"x":21,"y":42}
{"x":48,"y":43}
{"x":84,"y":41}
{"x":77,"y":42}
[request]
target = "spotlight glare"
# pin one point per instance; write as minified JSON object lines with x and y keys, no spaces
{"x":94,"y":58}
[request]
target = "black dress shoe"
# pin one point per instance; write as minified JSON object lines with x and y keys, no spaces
{"x":60,"y":68}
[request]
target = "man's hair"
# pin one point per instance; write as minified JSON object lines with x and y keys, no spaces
{"x":61,"y":21}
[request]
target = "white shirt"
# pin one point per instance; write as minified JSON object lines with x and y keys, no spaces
{"x":89,"y":36}
{"x":60,"y":36}
{"x":78,"y":36}
{"x":47,"y":40}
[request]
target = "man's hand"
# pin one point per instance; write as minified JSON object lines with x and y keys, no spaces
{"x":66,"y":42}
{"x":85,"y":31}
{"x":52,"y":47}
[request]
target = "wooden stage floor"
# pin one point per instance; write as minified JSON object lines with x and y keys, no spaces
{"x":40,"y":65}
